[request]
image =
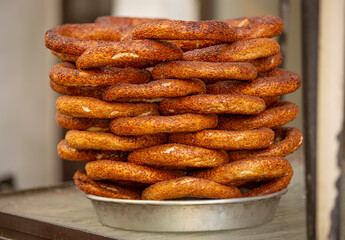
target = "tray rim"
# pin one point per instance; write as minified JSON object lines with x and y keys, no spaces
{"x":186,"y":202}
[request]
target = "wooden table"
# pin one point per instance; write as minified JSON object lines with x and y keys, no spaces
{"x":63,"y":212}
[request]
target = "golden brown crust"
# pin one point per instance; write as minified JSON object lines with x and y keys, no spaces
{"x":113,"y":170}
{"x":244,"y":171}
{"x":133,"y":21}
{"x":189,"y":187}
{"x":66,"y":152}
{"x":67,"y":74}
{"x":89,"y":124}
{"x":103,"y":189}
{"x":265,"y":26}
{"x":162,"y":124}
{"x":108,"y":141}
{"x":64,"y":57}
{"x":287,"y":140}
{"x":178,"y":155}
{"x":276,"y":115}
{"x":74,"y":39}
{"x":235,"y":52}
{"x":136,"y":53}
{"x":215,"y":71}
{"x":92,"y":92}
{"x":163,"y":88}
{"x":272,"y":186}
{"x":267,"y":63}
{"x":226,"y":140}
{"x":188,"y":45}
{"x":213,"y":104}
{"x":186,"y":30}
{"x":270,"y":100}
{"x":275,"y":83}
{"x":94,"y":108}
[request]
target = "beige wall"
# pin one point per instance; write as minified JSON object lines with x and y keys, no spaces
{"x":27,"y":105}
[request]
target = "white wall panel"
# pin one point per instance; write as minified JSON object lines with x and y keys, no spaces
{"x":174,"y":9}
{"x":27,"y":104}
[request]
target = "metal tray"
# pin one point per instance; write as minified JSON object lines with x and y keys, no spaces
{"x":186,"y":215}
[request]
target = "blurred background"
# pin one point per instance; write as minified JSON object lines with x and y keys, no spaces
{"x":28,"y":132}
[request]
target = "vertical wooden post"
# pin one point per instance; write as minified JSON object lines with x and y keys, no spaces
{"x":330,"y":117}
{"x":310,"y":10}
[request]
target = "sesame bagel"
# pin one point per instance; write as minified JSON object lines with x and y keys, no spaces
{"x":274,"y":83}
{"x":178,"y":155}
{"x":245,"y":171}
{"x":286,"y":141}
{"x":108,"y":141}
{"x":136,"y":53}
{"x":74,"y":39}
{"x":89,"y":124}
{"x":92,"y":92}
{"x":67,"y":152}
{"x":144,"y":125}
{"x":265,"y":26}
{"x":66,"y":74}
{"x":226,"y":140}
{"x":189,"y":187}
{"x":163,"y":88}
{"x":103,"y":189}
{"x":94,"y":108}
{"x":276,"y":115}
{"x":210,"y":71}
{"x":235,"y":52}
{"x":114,"y":171}
{"x":213,"y":104}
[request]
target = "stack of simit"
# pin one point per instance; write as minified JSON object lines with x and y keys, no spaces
{"x":165,"y":109}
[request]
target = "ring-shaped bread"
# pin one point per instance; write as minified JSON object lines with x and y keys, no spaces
{"x":103,"y":189}
{"x":74,"y":39}
{"x":158,"y":89}
{"x":66,"y":74}
{"x":114,"y":171}
{"x":286,"y":141}
{"x":210,"y":71}
{"x":265,"y":26}
{"x":272,"y":186}
{"x":212,"y":104}
{"x":86,"y":107}
{"x":66,"y":152}
{"x":247,"y":50}
{"x":189,"y":187}
{"x":270,"y":100}
{"x":133,"y":53}
{"x":275,"y":115}
{"x":226,"y":140}
{"x":65,"y":57}
{"x":188,"y":45}
{"x":92,"y":92}
{"x":249,"y":170}
{"x":144,"y":125}
{"x":178,"y":155}
{"x":274,"y":83}
{"x":108,"y":141}
{"x":88,"y":124}
{"x":267,"y":63}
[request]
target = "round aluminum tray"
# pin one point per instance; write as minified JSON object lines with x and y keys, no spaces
{"x":186,"y":215}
